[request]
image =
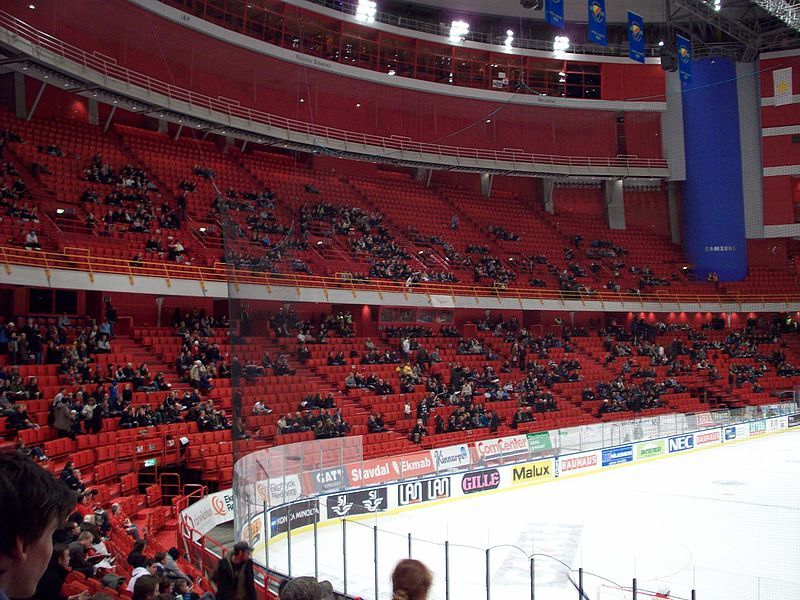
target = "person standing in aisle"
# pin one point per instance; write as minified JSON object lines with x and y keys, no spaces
{"x":233,"y":578}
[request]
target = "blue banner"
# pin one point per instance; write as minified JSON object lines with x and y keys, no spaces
{"x":636,"y":36}
{"x":684,"y":57}
{"x":597,"y":22}
{"x":554,"y":12}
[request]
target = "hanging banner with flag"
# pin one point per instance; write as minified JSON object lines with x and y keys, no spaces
{"x":554,"y":12}
{"x":782,"y":82}
{"x":597,"y":22}
{"x":636,"y":36}
{"x":684,"y":57}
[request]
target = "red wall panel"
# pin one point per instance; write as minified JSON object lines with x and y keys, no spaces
{"x":176,"y":54}
{"x":771,"y":253}
{"x":633,"y":82}
{"x":778,"y":209}
{"x":779,"y":151}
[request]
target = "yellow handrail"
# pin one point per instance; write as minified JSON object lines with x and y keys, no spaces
{"x":79,"y":259}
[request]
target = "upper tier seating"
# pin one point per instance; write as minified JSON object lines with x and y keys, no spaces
{"x":503,"y":240}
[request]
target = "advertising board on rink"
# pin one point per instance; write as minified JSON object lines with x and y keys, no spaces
{"x":451,"y":457}
{"x":417,"y":492}
{"x":532,"y":471}
{"x":618,"y":455}
{"x":501,"y":447}
{"x":577,"y":463}
{"x":709,"y":436}
{"x":357,"y":502}
{"x":383,"y":470}
{"x":679,"y":443}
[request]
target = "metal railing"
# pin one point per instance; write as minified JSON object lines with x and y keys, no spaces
{"x":17,"y":29}
{"x":81,"y":259}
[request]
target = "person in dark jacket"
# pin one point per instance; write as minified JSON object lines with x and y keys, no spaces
{"x":136,"y":558}
{"x":233,"y":578}
{"x":49,"y":587}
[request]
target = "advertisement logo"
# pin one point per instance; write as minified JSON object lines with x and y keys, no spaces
{"x":324,"y":480}
{"x":381,"y":470}
{"x":777,"y":423}
{"x":539,"y":441}
{"x":451,"y":457}
{"x":757,"y":427}
{"x":219,"y":506}
{"x":416,"y":492}
{"x":294,"y":516}
{"x":650,"y":449}
{"x":279,"y":490}
{"x":683,"y":52}
{"x":571,"y":464}
{"x":252,"y":531}
{"x":681,"y":442}
{"x":597,"y":12}
{"x":618,"y":455}
{"x":360,"y":502}
{"x":708,"y":437}
{"x":480,"y":481}
{"x":502,"y":446}
{"x":794,"y":420}
{"x":636,"y":31}
{"x":532,"y":471}
{"x":730,"y":433}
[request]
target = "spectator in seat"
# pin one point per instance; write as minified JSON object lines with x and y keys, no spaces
{"x":373,"y":426}
{"x":32,"y":241}
{"x":411,"y":580}
{"x":136,"y":557}
{"x":78,"y":552}
{"x":233,"y":578}
{"x":55,"y":575}
{"x":34,"y":504}
{"x":123,"y":522}
{"x":171,"y":568}
{"x":306,"y":588}
{"x":418,"y":432}
{"x":18,"y":419}
{"x":150,"y":568}
{"x":145,"y":588}
{"x":34,"y":452}
{"x":71,"y":477}
{"x":259,"y":408}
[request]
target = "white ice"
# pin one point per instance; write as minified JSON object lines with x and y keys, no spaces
{"x":724,"y":521}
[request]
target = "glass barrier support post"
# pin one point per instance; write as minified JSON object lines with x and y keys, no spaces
{"x":316,"y":552}
{"x":375,"y":549}
{"x":446,"y":567}
{"x":266,"y":537}
{"x":488,"y":576}
{"x":344,"y":554}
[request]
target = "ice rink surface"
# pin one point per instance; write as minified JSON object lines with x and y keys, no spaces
{"x":725,"y":521}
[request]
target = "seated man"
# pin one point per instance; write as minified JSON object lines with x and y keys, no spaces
{"x":418,"y":432}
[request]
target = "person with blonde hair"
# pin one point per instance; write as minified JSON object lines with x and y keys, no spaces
{"x":411,"y":580}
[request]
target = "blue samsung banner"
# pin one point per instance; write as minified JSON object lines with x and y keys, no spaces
{"x":684,"y":57}
{"x":636,"y":36}
{"x":554,"y":12}
{"x":713,"y":195}
{"x":597,"y":22}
